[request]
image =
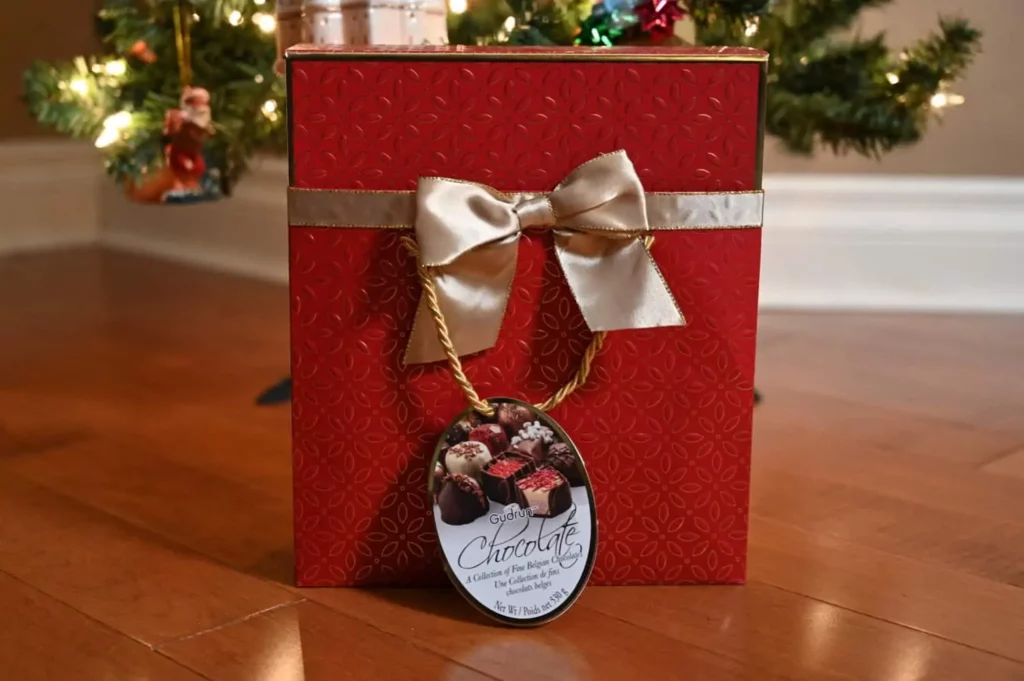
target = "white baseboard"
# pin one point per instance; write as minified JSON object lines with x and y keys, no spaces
{"x":830,"y":241}
{"x":893,"y":243}
{"x":49,"y":195}
{"x":245,"y":235}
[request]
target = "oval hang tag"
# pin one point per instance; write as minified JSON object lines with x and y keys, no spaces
{"x":515,"y":513}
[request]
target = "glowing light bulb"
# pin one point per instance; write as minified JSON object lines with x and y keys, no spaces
{"x":118,"y":67}
{"x":269,"y":109}
{"x":258,"y":78}
{"x":79,"y":86}
{"x":510,"y":23}
{"x":107,"y":137}
{"x":941,"y":100}
{"x":97,"y":68}
{"x":118,"y":121}
{"x":457,"y":6}
{"x":266,"y":22}
{"x":893,"y":78}
{"x":751,"y":29}
{"x":235,"y":18}
{"x":260,"y":2}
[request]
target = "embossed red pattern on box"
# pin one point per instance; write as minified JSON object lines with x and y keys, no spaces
{"x":664,"y":423}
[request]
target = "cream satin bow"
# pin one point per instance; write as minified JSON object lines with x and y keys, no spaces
{"x":468,"y":235}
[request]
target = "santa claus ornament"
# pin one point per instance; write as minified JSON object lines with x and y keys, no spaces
{"x":184,"y":176}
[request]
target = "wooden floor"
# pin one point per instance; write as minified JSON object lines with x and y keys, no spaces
{"x":145,"y":530}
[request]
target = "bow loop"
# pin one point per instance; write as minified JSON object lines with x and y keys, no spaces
{"x":469,"y":233}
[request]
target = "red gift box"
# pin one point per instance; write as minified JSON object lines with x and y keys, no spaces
{"x":664,"y":421}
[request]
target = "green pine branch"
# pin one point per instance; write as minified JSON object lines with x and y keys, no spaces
{"x":826,"y":89}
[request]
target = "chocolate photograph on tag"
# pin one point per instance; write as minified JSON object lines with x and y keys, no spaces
{"x":514,"y":512}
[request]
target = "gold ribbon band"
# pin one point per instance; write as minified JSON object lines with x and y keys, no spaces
{"x":468,"y":238}
{"x":363,"y":209}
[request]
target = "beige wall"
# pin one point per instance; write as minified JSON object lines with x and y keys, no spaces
{"x":44,"y":29}
{"x":985,"y":137}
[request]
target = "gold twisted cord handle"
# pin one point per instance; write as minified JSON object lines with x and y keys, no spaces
{"x":455,"y":364}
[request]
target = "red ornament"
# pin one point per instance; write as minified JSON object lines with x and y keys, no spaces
{"x":659,"y":17}
{"x":140,"y":50}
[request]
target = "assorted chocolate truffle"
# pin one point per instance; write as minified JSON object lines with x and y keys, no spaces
{"x":492,"y":435}
{"x":467,"y":458}
{"x":509,"y":457}
{"x":513,"y":417}
{"x":461,"y":500}
{"x":534,"y":449}
{"x":459,"y":432}
{"x":545,"y":491}
{"x":535,"y":430}
{"x":562,"y":459}
{"x":499,"y":477}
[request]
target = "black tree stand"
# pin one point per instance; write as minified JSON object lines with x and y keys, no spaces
{"x":281,"y":393}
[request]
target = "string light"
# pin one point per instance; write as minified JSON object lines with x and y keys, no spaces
{"x":269,"y":109}
{"x":258,"y":78}
{"x":457,"y":6}
{"x":260,"y":2}
{"x":942,"y":100}
{"x":97,"y":68}
{"x":235,"y":18}
{"x":118,"y":67}
{"x":112,"y":127}
{"x":107,"y":137}
{"x":893,"y":78}
{"x":752,"y":25}
{"x":119,"y":121}
{"x":79,"y":86}
{"x":266,"y":22}
{"x":510,"y":23}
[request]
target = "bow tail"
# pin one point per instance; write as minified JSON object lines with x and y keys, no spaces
{"x":472,"y":293}
{"x":616,"y":282}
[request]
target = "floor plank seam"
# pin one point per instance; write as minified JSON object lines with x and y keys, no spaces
{"x":1016,"y":449}
{"x":745,"y":663}
{"x":149,"y":532}
{"x":415,"y":644}
{"x":908,"y":627}
{"x":230,"y":623}
{"x":101,"y":624}
{"x":899,"y":410}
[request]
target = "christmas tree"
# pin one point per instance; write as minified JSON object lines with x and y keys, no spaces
{"x":156,"y":48}
{"x":826,"y":88}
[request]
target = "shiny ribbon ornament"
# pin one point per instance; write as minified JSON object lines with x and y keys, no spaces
{"x":468,"y":238}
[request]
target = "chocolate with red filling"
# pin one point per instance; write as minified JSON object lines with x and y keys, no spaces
{"x":461,"y":500}
{"x":562,"y":459}
{"x":492,"y":435}
{"x":499,"y":477}
{"x":546,"y":491}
